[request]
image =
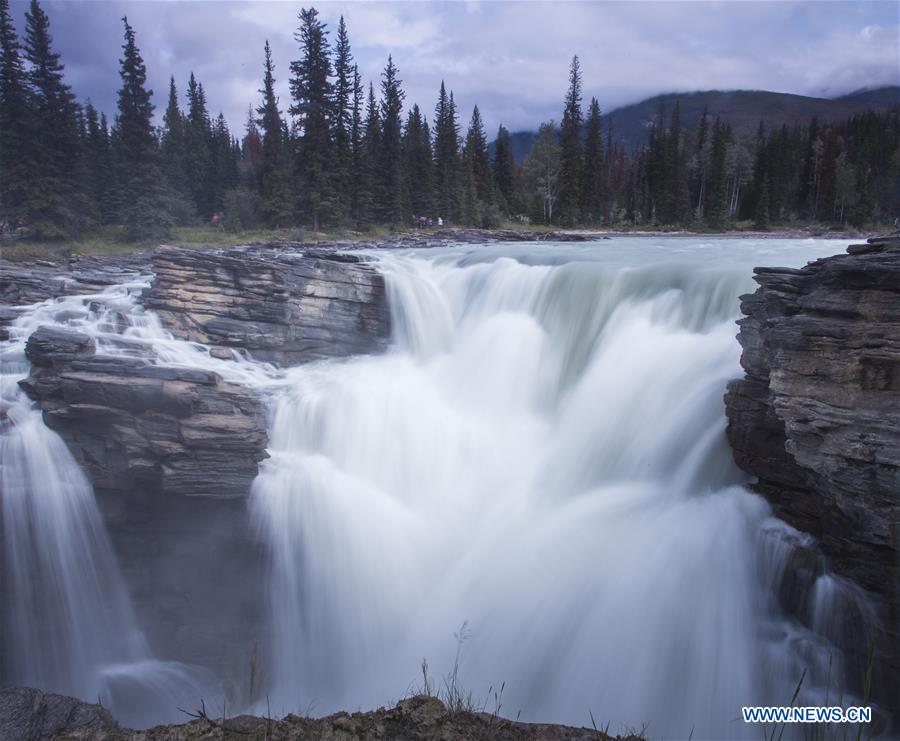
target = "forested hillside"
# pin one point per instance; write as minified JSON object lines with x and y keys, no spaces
{"x":344,"y":152}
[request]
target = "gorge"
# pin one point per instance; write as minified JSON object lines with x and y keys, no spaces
{"x":278,"y":477}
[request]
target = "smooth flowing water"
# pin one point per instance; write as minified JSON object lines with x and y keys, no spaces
{"x":533,"y":484}
{"x":539,"y":468}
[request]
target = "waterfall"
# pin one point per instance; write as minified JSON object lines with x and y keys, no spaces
{"x":541,"y":459}
{"x":533,"y":479}
{"x":68,"y":625}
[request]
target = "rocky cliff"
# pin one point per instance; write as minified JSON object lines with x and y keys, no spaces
{"x":816,"y":419}
{"x":278,"y":306}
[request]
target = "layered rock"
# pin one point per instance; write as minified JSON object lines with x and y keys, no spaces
{"x":816,"y":419}
{"x":278,"y":306}
{"x":136,"y":425}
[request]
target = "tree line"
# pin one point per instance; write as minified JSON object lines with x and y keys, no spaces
{"x":345,"y":154}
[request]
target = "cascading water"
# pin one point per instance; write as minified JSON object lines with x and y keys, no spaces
{"x":68,"y":625}
{"x":541,"y":456}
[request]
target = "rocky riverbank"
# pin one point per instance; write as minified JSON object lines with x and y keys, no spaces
{"x":816,"y":419}
{"x":32,"y":715}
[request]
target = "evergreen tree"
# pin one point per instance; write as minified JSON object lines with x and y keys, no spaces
{"x":504,"y":169}
{"x":274,"y":172}
{"x":446,"y":157}
{"x":543,"y":168}
{"x":199,"y":156}
{"x":370,"y":153}
{"x":477,"y":160}
{"x":593,"y":176}
{"x":418,"y":163}
{"x":173,"y":148}
{"x":145,"y":206}
{"x":360,"y":196}
{"x":55,"y":203}
{"x":343,"y":113}
{"x":716,"y":209}
{"x":570,"y":149}
{"x":312,"y":93}
{"x":15,"y":124}
{"x":391,"y":191}
{"x":96,"y":168}
{"x":761,"y":220}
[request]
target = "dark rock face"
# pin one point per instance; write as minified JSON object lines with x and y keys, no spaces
{"x":817,"y":417}
{"x":278,"y":306}
{"x":133,"y":424}
{"x":31,"y":715}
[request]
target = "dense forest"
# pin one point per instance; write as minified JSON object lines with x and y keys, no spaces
{"x":348,"y":155}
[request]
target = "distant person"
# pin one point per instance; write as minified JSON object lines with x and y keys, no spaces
{"x":440,"y":221}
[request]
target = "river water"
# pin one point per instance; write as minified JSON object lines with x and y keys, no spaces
{"x":532,"y":485}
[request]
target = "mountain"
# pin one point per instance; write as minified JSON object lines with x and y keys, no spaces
{"x":743,"y":109}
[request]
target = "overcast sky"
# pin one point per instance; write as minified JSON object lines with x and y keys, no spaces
{"x":511,"y":58}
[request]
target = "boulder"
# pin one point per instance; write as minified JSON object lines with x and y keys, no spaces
{"x":28,"y":714}
{"x":134,"y":424}
{"x":279,"y":306}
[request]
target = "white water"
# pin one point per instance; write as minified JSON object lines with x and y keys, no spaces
{"x":541,"y":455}
{"x":68,"y":625}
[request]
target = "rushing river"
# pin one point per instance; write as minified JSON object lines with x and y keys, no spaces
{"x":532,"y":483}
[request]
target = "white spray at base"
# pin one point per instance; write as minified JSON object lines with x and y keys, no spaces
{"x":541,"y":457}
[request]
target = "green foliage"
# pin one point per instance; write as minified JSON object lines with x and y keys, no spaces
{"x":241,"y":209}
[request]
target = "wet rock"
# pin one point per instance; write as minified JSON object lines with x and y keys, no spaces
{"x":279,"y":306}
{"x":31,"y":715}
{"x":132,"y":423}
{"x":817,"y":416}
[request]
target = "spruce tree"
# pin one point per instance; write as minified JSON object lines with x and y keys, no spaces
{"x":344,"y":71}
{"x":476,"y":155}
{"x":199,"y":156}
{"x":446,"y":157}
{"x":55,"y":201}
{"x":761,"y":220}
{"x":570,"y":149}
{"x":716,"y":208}
{"x":173,"y":146}
{"x":370,"y":153}
{"x":145,"y":204}
{"x":312,"y":93}
{"x":359,"y":198}
{"x":418,"y":163}
{"x":504,"y":169}
{"x":391,"y":190}
{"x":594,"y":169}
{"x":274,"y":173}
{"x":15,"y":124}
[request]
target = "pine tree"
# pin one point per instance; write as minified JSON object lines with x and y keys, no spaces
{"x":716,"y":209}
{"x":761,"y":220}
{"x":593,"y":175}
{"x":570,"y":149}
{"x":676,"y":182}
{"x":55,"y":202}
{"x":391,"y":192}
{"x":95,"y":168}
{"x":418,"y":163}
{"x":446,"y":157}
{"x":360,"y":196}
{"x":15,"y":124}
{"x":543,"y":168}
{"x":504,"y":169}
{"x":145,"y":206}
{"x":173,"y":150}
{"x":199,"y":156}
{"x":274,"y":174}
{"x":312,"y":94}
{"x":343,"y":114}
{"x":476,"y":155}
{"x":370,"y":153}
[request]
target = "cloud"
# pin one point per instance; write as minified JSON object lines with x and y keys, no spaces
{"x":511,"y":58}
